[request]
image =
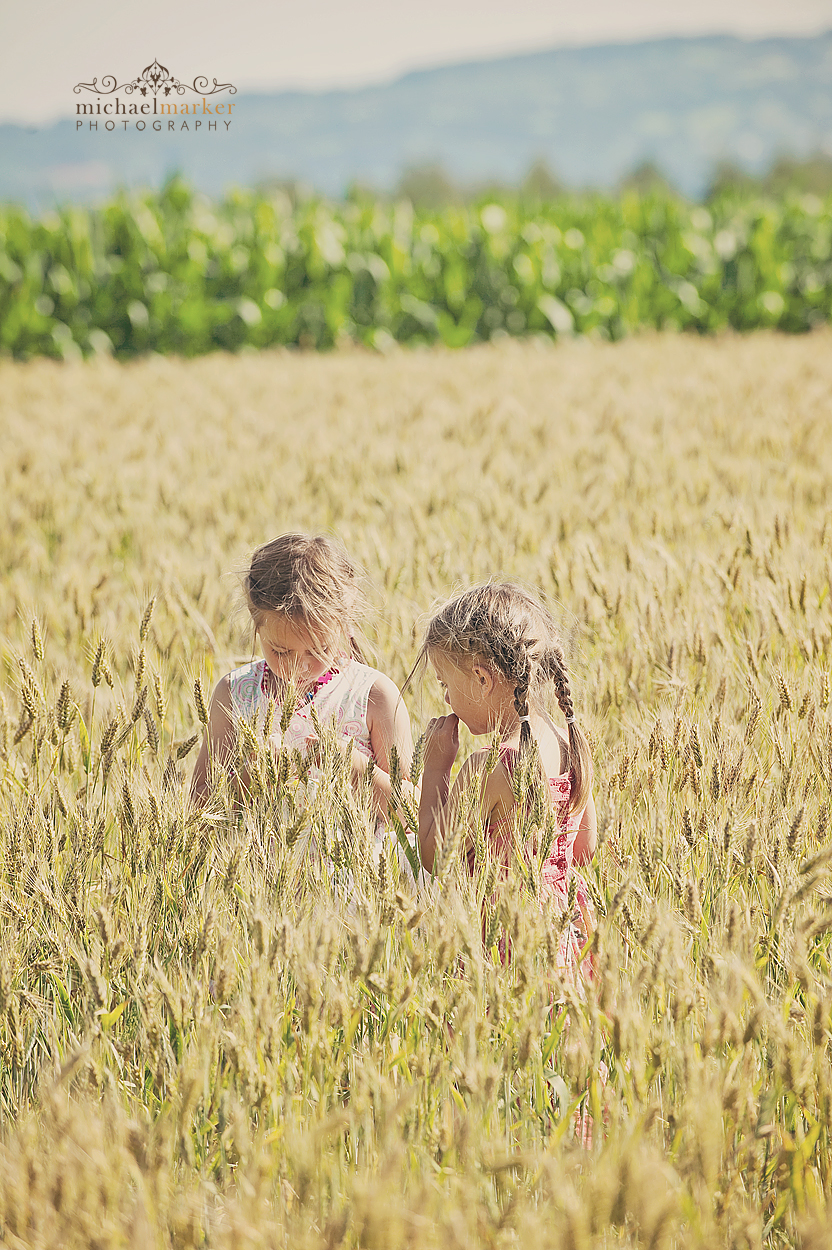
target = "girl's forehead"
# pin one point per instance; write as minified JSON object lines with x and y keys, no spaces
{"x":282,"y":631}
{"x":445,"y":665}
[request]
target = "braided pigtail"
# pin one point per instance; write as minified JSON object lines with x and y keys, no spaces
{"x":522,"y":675}
{"x":579,"y":761}
{"x":533,"y":771}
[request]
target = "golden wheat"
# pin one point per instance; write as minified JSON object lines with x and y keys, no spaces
{"x":243,"y":1028}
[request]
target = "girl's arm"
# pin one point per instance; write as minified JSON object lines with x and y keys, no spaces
{"x":217,"y":743}
{"x":441,"y":747}
{"x":439,"y":803}
{"x":389,"y":725}
{"x":586,"y":838}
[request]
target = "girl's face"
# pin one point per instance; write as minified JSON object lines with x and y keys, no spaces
{"x":290,"y":651}
{"x":468,"y":687}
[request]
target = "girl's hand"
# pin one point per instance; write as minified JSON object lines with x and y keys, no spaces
{"x":442,"y":742}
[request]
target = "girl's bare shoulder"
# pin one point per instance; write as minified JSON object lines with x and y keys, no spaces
{"x":222,"y":692}
{"x":384,"y":693}
{"x":380,"y":680}
{"x":554,"y":749}
{"x":497,"y":781}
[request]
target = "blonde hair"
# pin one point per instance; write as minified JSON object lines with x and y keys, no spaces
{"x":509,"y":628}
{"x":312,"y":581}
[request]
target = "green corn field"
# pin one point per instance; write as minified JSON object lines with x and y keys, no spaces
{"x":173,"y":272}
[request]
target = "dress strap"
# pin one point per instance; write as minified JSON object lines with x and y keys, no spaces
{"x":508,"y":756}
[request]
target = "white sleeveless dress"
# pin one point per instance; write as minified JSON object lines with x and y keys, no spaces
{"x":341,"y":704}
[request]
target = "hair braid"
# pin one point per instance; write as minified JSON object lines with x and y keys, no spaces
{"x":523,"y":676}
{"x":579,"y":761}
{"x":564,"y":695}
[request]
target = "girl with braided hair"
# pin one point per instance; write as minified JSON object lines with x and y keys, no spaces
{"x":495,"y":650}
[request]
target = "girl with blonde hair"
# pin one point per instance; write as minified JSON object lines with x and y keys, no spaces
{"x":496,"y":652}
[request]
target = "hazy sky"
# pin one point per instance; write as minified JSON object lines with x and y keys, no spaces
{"x":46,"y":46}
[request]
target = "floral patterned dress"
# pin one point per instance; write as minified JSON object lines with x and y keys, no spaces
{"x":341,"y":703}
{"x":557,"y":871}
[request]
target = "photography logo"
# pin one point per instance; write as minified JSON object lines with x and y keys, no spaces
{"x":155,"y":98}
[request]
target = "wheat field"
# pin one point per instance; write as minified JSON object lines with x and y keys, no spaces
{"x":201,"y":1043}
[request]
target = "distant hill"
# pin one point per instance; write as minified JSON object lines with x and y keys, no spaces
{"x":592,"y":113}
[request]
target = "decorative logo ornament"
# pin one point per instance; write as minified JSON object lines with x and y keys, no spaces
{"x":153,"y":79}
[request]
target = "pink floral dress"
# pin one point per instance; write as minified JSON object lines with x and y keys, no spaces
{"x":557,"y":871}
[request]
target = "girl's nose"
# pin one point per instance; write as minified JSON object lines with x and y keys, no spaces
{"x":311,"y":668}
{"x":447,"y":698}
